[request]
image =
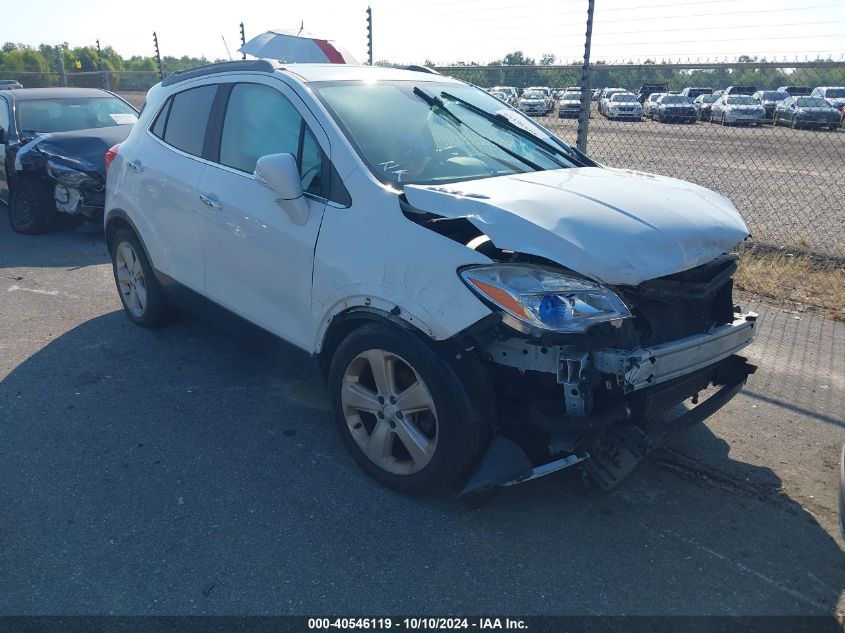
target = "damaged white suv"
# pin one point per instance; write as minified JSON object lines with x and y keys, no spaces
{"x":487,"y":303}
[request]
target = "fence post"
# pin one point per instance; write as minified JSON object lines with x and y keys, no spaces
{"x":60,"y":61}
{"x":584,"y":113}
{"x":243,"y":40}
{"x":369,"y":36}
{"x":104,"y":78}
{"x":158,"y":57}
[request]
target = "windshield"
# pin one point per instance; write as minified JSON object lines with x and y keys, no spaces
{"x":421,"y":133}
{"x":742,"y":101}
{"x":708,"y":98}
{"x":835,"y":93}
{"x":673,"y":99}
{"x":623,"y":98}
{"x":533,"y":94}
{"x":67,"y":115}
{"x":571,"y":96}
{"x":811,"y":102}
{"x":773,"y":95}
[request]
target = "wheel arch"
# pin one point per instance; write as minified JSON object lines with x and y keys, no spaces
{"x":118,"y":219}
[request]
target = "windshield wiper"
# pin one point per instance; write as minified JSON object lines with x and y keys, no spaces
{"x":437,"y":102}
{"x":503,"y":121}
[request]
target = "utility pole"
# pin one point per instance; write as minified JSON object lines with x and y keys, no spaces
{"x":158,"y":57}
{"x":370,"y":35}
{"x":60,"y":62}
{"x":584,"y":114}
{"x":243,"y":39}
{"x":104,"y":78}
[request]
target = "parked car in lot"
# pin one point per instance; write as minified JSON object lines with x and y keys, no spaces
{"x":623,"y":105}
{"x":511,"y":92}
{"x":596,"y":95}
{"x":693,"y":92}
{"x":54,"y":141}
{"x":702,"y":105}
{"x":739,"y":90}
{"x":504,"y":96}
{"x":549,"y":95}
{"x":650,"y":103}
{"x":670,"y":108}
{"x":737,"y":110}
{"x":648,"y":89}
{"x":569,"y":105}
{"x":796,"y":91}
{"x":769,"y":99}
{"x":488,"y":304}
{"x":807,"y":112}
{"x":10,"y":84}
{"x":534,"y":102}
{"x":834,"y":95}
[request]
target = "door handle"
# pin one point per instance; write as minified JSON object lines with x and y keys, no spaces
{"x":136,"y":166}
{"x":211,"y":201}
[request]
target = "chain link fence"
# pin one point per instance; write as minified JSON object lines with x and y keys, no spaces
{"x":787,"y":179}
{"x":117,"y":81}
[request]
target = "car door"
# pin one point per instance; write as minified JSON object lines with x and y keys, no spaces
{"x":258,"y":261}
{"x":5,"y":132}
{"x":163,"y":173}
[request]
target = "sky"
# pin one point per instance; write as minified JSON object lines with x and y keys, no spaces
{"x":446,"y":31}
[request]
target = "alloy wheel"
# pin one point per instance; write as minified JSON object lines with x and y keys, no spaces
{"x":130,"y":279}
{"x":389,"y":411}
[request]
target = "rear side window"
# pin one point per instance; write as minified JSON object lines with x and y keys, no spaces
{"x":186,"y":119}
{"x":161,"y":120}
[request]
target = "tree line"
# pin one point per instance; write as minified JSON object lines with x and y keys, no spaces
{"x":513,"y":69}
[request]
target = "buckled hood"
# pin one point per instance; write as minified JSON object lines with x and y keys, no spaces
{"x":612,"y":225}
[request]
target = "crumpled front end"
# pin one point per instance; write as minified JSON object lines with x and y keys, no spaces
{"x":606,"y":398}
{"x":72,"y":166}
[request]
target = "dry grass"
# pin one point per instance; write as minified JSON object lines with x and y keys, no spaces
{"x":798,"y":279}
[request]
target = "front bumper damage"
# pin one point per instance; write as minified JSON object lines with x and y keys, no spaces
{"x":609,"y":433}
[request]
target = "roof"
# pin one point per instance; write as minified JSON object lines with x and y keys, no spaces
{"x":30,"y":94}
{"x":347,"y":72}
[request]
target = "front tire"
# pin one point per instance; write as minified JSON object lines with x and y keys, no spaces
{"x":32,"y":210}
{"x":403,"y":412}
{"x":140,"y":292}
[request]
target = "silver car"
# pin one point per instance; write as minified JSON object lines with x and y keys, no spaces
{"x":737,"y":110}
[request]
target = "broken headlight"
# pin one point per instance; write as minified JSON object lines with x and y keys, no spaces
{"x":545,"y":299}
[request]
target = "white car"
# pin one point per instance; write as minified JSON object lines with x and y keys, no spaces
{"x":475,"y":290}
{"x":534,"y":101}
{"x":623,"y":105}
{"x":549,"y":94}
{"x":510,"y":92}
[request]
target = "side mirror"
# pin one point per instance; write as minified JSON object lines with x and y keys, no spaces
{"x":279,"y":173}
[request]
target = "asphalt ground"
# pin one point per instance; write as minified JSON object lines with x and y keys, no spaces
{"x":188,"y":471}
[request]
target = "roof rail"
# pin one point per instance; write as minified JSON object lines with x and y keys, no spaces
{"x":252,"y":65}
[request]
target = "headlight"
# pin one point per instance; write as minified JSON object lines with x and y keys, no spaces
{"x":545,"y":299}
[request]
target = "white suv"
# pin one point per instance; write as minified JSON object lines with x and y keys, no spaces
{"x":488,"y":304}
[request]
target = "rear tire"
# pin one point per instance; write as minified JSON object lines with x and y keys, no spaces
{"x":140,"y":292}
{"x":405,"y":414}
{"x":32,"y":210}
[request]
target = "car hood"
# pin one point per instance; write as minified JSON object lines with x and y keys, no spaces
{"x":612,"y":225}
